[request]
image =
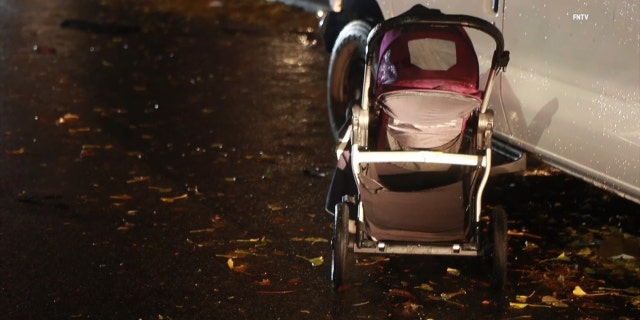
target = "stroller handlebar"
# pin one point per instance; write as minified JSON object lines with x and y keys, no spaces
{"x":419,"y":15}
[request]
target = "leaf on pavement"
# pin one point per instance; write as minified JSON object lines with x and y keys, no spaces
{"x":425,"y":287}
{"x":172,"y":199}
{"x":317,"y":261}
{"x":562,"y":257}
{"x":577,"y":291}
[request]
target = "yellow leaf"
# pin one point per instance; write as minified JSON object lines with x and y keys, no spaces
{"x":425,"y":286}
{"x":579,"y":292}
{"x":230,"y":263}
{"x":317,"y":261}
{"x":563,"y":257}
{"x":518,"y":305}
{"x":522,"y":299}
{"x":585,"y":252}
{"x":453,"y":272}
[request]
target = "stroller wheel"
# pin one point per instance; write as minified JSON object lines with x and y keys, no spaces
{"x":340,"y":243}
{"x":500,"y":243}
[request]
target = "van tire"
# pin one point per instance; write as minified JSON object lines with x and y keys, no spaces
{"x":346,"y":73}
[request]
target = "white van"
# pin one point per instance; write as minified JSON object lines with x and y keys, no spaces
{"x":571,"y":93}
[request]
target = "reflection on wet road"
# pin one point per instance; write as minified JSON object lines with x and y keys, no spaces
{"x":169,"y":160}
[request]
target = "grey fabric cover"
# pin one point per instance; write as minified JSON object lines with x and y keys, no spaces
{"x":426,"y":119}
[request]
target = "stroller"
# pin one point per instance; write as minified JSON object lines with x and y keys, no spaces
{"x":415,"y":159}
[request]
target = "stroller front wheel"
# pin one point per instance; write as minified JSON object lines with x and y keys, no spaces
{"x":340,"y":244}
{"x":500,"y":246}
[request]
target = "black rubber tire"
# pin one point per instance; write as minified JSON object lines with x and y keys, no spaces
{"x":340,"y":244}
{"x":500,"y":247}
{"x":346,"y":73}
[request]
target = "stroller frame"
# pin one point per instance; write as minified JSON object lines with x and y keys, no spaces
{"x":356,"y":141}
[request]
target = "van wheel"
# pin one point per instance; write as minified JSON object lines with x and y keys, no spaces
{"x":346,"y":73}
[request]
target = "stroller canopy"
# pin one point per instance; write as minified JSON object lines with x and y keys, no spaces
{"x":437,"y":57}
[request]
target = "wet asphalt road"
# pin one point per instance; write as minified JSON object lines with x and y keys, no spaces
{"x":169,"y":160}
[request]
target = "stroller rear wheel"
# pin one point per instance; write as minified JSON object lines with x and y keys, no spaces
{"x":339,"y":243}
{"x":500,"y":244}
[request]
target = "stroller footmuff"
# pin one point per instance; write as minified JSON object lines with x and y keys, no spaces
{"x":415,"y":160}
